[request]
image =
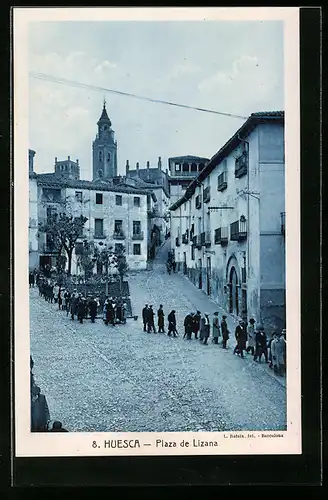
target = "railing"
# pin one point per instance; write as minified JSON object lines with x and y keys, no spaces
{"x":177,"y":241}
{"x":221,"y":236}
{"x":99,"y":236}
{"x":185,"y":240}
{"x":208,"y":241}
{"x":222,"y":181}
{"x":118,"y":235}
{"x":181,"y":173}
{"x":198,"y":201}
{"x":207,"y":194}
{"x":283,"y":220}
{"x":138,"y":235}
{"x":198,"y":240}
{"x":238,"y":230}
{"x":241,"y":165}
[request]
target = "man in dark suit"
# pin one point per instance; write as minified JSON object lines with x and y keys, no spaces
{"x":40,"y":415}
{"x":160,"y":315}
{"x":241,"y":337}
{"x":145,"y":317}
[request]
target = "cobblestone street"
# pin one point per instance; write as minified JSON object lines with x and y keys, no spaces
{"x":100,"y":378}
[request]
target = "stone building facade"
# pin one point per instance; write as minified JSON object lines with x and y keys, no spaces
{"x":228,"y":230}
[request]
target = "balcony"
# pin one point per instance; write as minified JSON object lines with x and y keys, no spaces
{"x":221,"y":236}
{"x":238,"y":230}
{"x":177,"y":241}
{"x":185,"y":240}
{"x":118,"y":235}
{"x":198,"y":201}
{"x":99,"y":236}
{"x":222,"y":181}
{"x":283,"y":219}
{"x":207,"y":194}
{"x":138,"y":235}
{"x":208,"y":241}
{"x":241,"y":165}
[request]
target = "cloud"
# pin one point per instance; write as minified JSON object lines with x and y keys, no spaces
{"x":104,"y":66}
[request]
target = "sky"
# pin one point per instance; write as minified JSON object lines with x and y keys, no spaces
{"x":229,"y":66}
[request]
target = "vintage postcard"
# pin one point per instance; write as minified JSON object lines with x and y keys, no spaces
{"x":156,"y":231}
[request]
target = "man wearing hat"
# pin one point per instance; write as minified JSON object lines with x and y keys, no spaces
{"x":225,"y":332}
{"x":216,"y":328}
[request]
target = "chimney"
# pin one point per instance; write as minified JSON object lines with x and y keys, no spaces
{"x":77,"y":161}
{"x":69,"y":157}
{"x":147,"y":164}
{"x":31,"y":155}
{"x":127,"y":168}
{"x":55,"y":160}
{"x":137,"y":166}
{"x":159,"y":163}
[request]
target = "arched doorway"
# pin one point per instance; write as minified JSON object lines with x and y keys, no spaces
{"x":233,"y":286}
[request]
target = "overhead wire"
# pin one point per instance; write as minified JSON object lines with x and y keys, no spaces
{"x":74,"y":83}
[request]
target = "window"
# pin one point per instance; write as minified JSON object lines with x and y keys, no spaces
{"x":136,"y":227}
{"x":99,"y":198}
{"x":108,"y":156}
{"x":118,"y":199}
{"x":136,"y":201}
{"x":118,"y":226}
{"x":99,"y":228}
{"x":222,"y":181}
{"x":136,"y":249}
{"x":100,"y":155}
{"x":193,"y":167}
{"x":185,"y":167}
{"x":78,"y":196}
{"x":100,"y":173}
{"x":177,"y":167}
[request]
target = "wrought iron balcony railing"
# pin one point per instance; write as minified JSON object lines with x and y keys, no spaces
{"x":118,"y":235}
{"x":222,"y":181}
{"x":208,"y":240}
{"x":238,"y":230}
{"x":221,"y":236}
{"x":207,"y":194}
{"x":241,"y":165}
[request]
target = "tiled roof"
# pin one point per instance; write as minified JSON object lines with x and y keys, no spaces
{"x":51,"y":179}
{"x":268,"y":113}
{"x":253,"y":120}
{"x":189,"y":157}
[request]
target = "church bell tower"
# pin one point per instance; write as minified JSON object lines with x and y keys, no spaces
{"x":104,"y":149}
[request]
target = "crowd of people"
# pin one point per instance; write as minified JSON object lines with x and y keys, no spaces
{"x":40,"y":414}
{"x":111,"y":310}
{"x":249,"y":338}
